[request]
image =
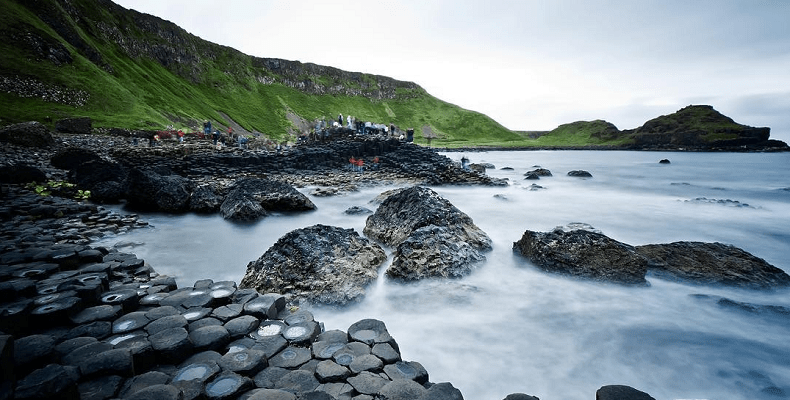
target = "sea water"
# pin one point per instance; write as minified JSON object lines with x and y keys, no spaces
{"x":509,"y":327}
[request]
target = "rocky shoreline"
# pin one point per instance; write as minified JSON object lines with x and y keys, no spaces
{"x":97,"y":323}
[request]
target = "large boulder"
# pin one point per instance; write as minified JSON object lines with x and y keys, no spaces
{"x":433,"y":252}
{"x":148,"y":190}
{"x":27,"y":134}
{"x":205,"y":199}
{"x":20,"y":173}
{"x":321,"y":264}
{"x":585,"y":254}
{"x":433,"y":237}
{"x":72,"y":157}
{"x":251,"y":198}
{"x":79,"y":125}
{"x":712,"y":264}
{"x":106,"y":180}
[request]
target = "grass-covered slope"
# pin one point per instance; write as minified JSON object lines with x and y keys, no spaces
{"x":126,"y":69}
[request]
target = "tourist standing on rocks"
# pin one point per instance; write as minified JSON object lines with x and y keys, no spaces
{"x":207,"y":128}
{"x":340,"y":119}
{"x":216,"y":137}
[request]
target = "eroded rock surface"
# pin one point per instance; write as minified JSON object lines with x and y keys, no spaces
{"x":712,"y":264}
{"x":433,"y":237}
{"x":321,"y":264}
{"x":584,"y":254}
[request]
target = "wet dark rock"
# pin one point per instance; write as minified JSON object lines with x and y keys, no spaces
{"x":53,"y":381}
{"x":97,"y":329}
{"x":446,"y":391}
{"x":367,"y":383}
{"x":166,"y":322}
{"x":197,"y":370}
{"x":621,"y":392}
{"x":71,"y":157}
{"x":252,"y":198}
{"x":291,"y":357}
{"x":433,"y":237}
{"x":20,"y":173}
{"x":580,"y":174}
{"x":172,"y":345}
{"x":402,"y":389}
{"x":111,"y":362}
{"x":370,"y":331}
{"x":357,"y":210}
{"x":520,"y":396}
{"x":303,"y":333}
{"x":338,"y":261}
{"x":531,"y":176}
{"x":712,"y":264}
{"x":330,"y":371}
{"x":245,"y":362}
{"x":107,"y":181}
{"x":434,"y":252}
{"x":583,"y":254}
{"x":79,"y":125}
{"x":539,"y":172}
{"x":407,"y":370}
{"x":212,"y":337}
{"x":242,"y":325}
{"x":148,"y":190}
{"x":664,"y":161}
{"x":227,"y":385}
{"x":268,"y":394}
{"x":765,"y":310}
{"x":101,"y":388}
{"x":31,"y":350}
{"x":269,"y":377}
{"x":159,"y":392}
{"x":130,"y":322}
{"x":298,"y":381}
{"x":27,"y":134}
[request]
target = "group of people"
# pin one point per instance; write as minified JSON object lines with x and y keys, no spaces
{"x":358,"y":164}
{"x":217,"y":137}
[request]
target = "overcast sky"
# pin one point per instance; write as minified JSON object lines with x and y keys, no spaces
{"x":530,"y":65}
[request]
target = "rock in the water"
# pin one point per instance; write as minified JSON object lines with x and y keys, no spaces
{"x":433,"y":252}
{"x":621,"y":392}
{"x":584,"y":254}
{"x":321,"y":264}
{"x":712,"y":264}
{"x":27,"y":134}
{"x":433,"y":237}
{"x":148,"y":189}
{"x":251,"y":198}
{"x":664,"y":161}
{"x":580,"y":174}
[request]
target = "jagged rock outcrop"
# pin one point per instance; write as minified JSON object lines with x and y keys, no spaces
{"x":28,"y":134}
{"x":107,"y":181}
{"x":252,"y":198}
{"x":433,"y":237}
{"x":71,"y":157}
{"x":584,"y":254}
{"x":712,"y":264}
{"x":148,"y":190}
{"x":321,"y":264}
{"x":20,"y":173}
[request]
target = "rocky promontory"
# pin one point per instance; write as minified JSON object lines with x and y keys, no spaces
{"x":588,"y":254}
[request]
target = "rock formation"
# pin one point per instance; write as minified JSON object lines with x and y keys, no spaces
{"x":712,"y":264}
{"x":433,"y":237}
{"x":321,"y":264}
{"x":585,"y":254}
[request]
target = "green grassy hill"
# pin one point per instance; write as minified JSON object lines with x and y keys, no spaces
{"x":125,"y":69}
{"x":131,"y":70}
